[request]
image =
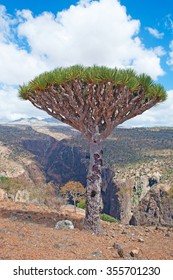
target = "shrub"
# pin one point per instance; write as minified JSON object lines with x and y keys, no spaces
{"x":10,"y":185}
{"x":3,"y":179}
{"x":74,"y":191}
{"x":108,"y":218}
{"x":103,"y":216}
{"x":82,"y":204}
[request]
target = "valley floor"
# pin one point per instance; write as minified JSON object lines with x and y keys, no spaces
{"x":27,"y":232}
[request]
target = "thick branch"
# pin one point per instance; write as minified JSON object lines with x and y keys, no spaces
{"x":91,"y":108}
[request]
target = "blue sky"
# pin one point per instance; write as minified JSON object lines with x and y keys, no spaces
{"x":37,"y":36}
{"x":37,"y":6}
{"x":154,"y":14}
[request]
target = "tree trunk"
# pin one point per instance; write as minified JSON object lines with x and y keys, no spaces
{"x":93,"y":191}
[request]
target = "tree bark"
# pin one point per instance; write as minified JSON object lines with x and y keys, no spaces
{"x":93,"y":190}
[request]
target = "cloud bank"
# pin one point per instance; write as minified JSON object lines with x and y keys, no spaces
{"x":92,"y":32}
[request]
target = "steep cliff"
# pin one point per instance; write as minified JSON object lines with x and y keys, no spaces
{"x":156,"y":208}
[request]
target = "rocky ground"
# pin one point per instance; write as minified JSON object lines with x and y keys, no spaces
{"x":27,"y":231}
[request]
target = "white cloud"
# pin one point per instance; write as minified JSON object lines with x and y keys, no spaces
{"x":154,"y":32}
{"x":169,"y":22}
{"x":159,"y":51}
{"x":92,"y":32}
{"x":11,"y":108}
{"x":17,"y":65}
{"x":5,"y":22}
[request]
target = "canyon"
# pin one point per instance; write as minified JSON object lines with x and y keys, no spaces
{"x":137,"y":173}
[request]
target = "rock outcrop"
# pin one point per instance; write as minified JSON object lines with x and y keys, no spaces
{"x":117,"y":198}
{"x":123,"y":200}
{"x":156,"y":208}
{"x":3,"y":194}
{"x":22,"y":196}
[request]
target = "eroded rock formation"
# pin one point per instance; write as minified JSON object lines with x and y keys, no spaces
{"x":156,"y":208}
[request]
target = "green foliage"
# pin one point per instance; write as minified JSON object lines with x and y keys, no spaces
{"x":81,"y":204}
{"x":96,"y":74}
{"x":108,"y":218}
{"x":3,"y":179}
{"x":103,"y":216}
{"x":5,"y":183}
{"x":10,"y":185}
{"x":23,"y":92}
{"x":145,"y":81}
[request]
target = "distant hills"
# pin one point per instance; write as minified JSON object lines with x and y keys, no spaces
{"x":33,"y":120}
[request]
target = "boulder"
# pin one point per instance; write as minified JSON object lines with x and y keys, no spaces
{"x":134,"y":253}
{"x":64,"y":224}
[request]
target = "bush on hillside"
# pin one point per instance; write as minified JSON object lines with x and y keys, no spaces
{"x":81,"y":204}
{"x":108,"y":218}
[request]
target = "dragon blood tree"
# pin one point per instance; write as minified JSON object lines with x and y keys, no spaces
{"x":93,"y":100}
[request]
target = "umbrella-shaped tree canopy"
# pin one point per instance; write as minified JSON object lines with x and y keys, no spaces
{"x":93,"y":100}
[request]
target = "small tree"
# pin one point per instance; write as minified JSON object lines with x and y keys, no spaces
{"x":74,"y":190}
{"x":93,"y":100}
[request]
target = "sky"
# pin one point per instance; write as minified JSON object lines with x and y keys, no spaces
{"x":38,"y":36}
